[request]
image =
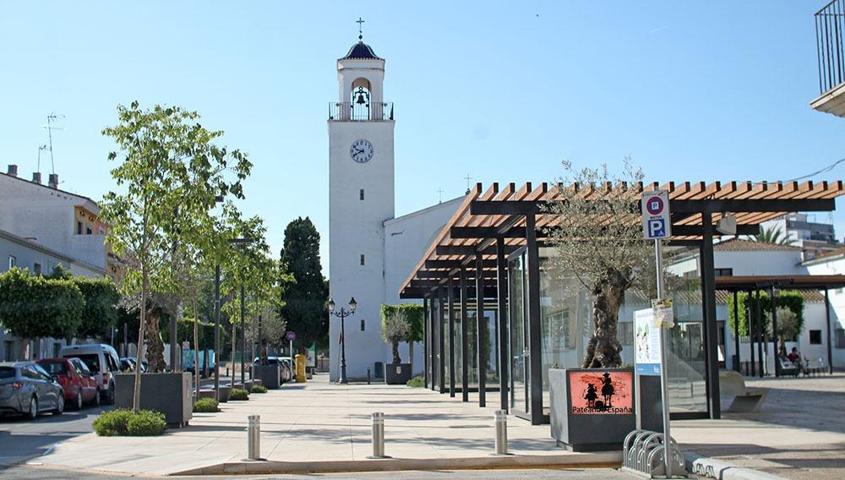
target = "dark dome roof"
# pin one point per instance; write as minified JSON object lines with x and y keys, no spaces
{"x":361,"y":50}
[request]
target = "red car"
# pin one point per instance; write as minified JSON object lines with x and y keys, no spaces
{"x":77,"y":381}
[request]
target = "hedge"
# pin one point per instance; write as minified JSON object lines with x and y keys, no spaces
{"x":124,"y":422}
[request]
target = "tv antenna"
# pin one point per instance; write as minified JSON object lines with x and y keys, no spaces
{"x":469,"y":180}
{"x":51,"y":120}
{"x":41,"y":148}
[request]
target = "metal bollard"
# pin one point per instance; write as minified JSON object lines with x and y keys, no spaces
{"x":253,"y":436}
{"x":501,"y":419}
{"x":378,"y":435}
{"x":368,"y":376}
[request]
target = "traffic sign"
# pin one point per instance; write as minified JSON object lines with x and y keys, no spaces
{"x":657,"y":223}
{"x":291,"y":335}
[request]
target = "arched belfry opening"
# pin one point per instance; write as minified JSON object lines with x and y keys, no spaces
{"x":360,"y":103}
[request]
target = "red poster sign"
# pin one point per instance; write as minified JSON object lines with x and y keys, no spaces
{"x":600,"y":392}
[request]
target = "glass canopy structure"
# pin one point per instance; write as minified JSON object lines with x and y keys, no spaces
{"x":497,"y":320}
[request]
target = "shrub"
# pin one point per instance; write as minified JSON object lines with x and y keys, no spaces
{"x":123,"y":422}
{"x":146,"y":423}
{"x":112,"y":423}
{"x":258,"y":389}
{"x":206,"y":405}
{"x":239,"y":394}
{"x":416,"y":382}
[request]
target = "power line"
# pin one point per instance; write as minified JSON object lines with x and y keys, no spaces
{"x":819,"y":172}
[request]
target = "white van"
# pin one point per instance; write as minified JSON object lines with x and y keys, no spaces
{"x":103,"y":362}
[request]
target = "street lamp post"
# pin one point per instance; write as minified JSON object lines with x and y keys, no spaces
{"x":342,"y":314}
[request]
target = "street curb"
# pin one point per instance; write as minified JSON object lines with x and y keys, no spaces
{"x":570,"y":460}
{"x":713,"y":468}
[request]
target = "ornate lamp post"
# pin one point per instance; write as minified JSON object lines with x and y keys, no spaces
{"x":342,"y":314}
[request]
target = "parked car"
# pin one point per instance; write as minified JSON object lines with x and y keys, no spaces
{"x":77,"y":381}
{"x":27,"y":389}
{"x":103,"y":362}
{"x":285,"y":369}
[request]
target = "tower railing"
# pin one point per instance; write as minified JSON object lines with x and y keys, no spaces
{"x":830,"y":45}
{"x":360,"y":112}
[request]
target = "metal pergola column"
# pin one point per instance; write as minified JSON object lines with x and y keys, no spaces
{"x":737,"y":362}
{"x":502,"y":317}
{"x":441,"y":344}
{"x":772,"y":293}
{"x":464,"y":339}
{"x":450,"y":295}
{"x":760,"y":343}
{"x":480,"y":336}
{"x":426,"y":339}
{"x":711,"y":334}
{"x":534,"y":344}
{"x":829,"y":338}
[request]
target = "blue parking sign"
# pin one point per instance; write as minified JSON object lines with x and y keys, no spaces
{"x":656,"y":228}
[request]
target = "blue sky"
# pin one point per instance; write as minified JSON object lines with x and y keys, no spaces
{"x":499,"y":91}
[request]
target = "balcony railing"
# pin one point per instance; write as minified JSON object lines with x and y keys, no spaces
{"x":351,"y":111}
{"x":830,"y":33}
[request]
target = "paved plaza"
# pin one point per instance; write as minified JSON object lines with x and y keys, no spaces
{"x":326,"y":427}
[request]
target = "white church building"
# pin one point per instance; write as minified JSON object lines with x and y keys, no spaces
{"x":371,"y":251}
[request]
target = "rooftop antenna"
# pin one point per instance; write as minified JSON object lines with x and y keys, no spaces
{"x":41,"y":148}
{"x":439,"y":195}
{"x":51,"y":119}
{"x":360,"y":23}
{"x":468,"y":179}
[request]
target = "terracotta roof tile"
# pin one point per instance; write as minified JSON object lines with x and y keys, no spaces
{"x":741,"y":245}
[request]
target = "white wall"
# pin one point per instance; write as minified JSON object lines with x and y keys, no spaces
{"x":833,"y":266}
{"x":47,"y":215}
{"x":755,"y":262}
{"x":406,"y":239}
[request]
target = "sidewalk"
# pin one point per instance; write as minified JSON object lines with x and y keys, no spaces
{"x":323,"y":422}
{"x":799,"y":432}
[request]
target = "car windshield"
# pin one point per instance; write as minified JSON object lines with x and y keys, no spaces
{"x":92,"y":360}
{"x":7,"y":372}
{"x":54,"y":368}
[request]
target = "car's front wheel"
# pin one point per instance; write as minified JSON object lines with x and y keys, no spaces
{"x":97,"y":399}
{"x":78,"y":400}
{"x":110,"y":394}
{"x":60,"y":404}
{"x":33,"y":408}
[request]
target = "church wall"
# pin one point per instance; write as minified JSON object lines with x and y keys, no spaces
{"x":406,"y":239}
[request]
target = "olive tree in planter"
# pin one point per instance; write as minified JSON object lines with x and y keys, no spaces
{"x":395,"y":328}
{"x":598,"y":241}
{"x":169,"y":178}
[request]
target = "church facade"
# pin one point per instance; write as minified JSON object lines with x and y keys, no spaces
{"x":371,"y":252}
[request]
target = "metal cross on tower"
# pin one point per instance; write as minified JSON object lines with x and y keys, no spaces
{"x":360,"y":23}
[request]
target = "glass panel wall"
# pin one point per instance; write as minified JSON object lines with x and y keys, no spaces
{"x":518,"y":345}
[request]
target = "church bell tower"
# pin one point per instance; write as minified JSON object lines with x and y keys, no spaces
{"x":361,"y":198}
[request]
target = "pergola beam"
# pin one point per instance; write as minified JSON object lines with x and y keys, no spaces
{"x":520,"y":207}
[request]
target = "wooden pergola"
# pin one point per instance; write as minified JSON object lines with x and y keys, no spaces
{"x":466,"y":264}
{"x":773,"y":283}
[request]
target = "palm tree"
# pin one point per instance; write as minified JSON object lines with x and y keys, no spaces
{"x":773,"y":235}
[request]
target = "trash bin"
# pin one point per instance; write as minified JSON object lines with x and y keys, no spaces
{"x":299,"y":367}
{"x":378,"y":371}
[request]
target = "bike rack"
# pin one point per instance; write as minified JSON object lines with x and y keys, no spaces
{"x":642,"y":453}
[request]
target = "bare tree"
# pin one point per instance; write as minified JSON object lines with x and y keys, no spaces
{"x":597,"y":238}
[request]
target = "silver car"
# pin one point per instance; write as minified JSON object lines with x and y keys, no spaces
{"x":27,"y":389}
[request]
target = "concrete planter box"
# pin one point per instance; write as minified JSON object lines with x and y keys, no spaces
{"x":583,"y":416}
{"x":269,"y":375}
{"x":225,"y":391}
{"x":169,"y":393}
{"x":397,"y":373}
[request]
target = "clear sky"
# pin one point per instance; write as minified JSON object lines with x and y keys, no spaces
{"x":499,"y":91}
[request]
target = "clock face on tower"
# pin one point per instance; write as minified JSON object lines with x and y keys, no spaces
{"x":361,"y":150}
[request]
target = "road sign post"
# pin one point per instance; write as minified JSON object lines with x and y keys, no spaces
{"x":657,"y":225}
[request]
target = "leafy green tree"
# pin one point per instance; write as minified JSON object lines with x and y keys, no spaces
{"x":773,"y":235}
{"x":101,"y":301}
{"x":305,"y":298}
{"x":248,"y":268}
{"x":32,"y":306}
{"x":169,"y":179}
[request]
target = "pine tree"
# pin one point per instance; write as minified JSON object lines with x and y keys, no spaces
{"x":305,"y":297}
